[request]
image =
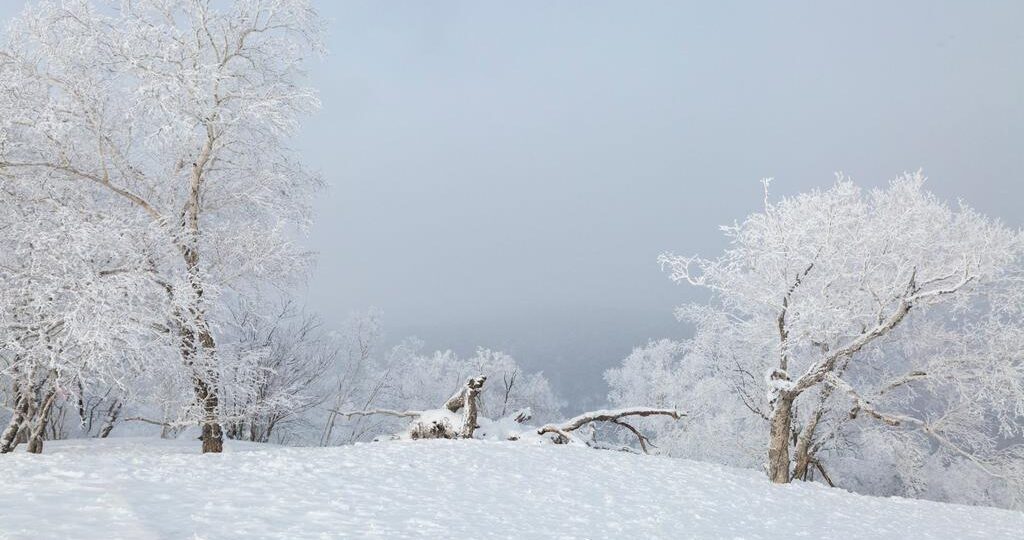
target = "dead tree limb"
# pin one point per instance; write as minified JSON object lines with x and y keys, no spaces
{"x":386,"y":412}
{"x":458,"y":399}
{"x":644,"y":441}
{"x":823,"y":473}
{"x":614,"y":416}
{"x":473,"y":387}
{"x":148,"y":421}
{"x":439,"y":428}
{"x":523,"y":415}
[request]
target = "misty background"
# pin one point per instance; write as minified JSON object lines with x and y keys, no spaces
{"x":505,"y":174}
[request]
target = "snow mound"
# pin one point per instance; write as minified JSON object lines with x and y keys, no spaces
{"x":146,"y":488}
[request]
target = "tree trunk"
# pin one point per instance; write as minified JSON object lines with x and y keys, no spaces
{"x":197,"y":344}
{"x":112,"y":413}
{"x":197,"y":348}
{"x":35,"y":444}
{"x":206,"y":397}
{"x":213,"y":436}
{"x":35,"y":440}
{"x":803,"y":458}
{"x":778,"y":443}
{"x":473,"y":387}
{"x":9,"y":438}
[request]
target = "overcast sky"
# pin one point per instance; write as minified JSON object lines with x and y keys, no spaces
{"x":505,"y":174}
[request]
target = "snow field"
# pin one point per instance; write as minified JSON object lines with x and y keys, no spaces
{"x":152,"y":489}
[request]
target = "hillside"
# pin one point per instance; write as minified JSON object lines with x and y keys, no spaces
{"x":146,"y":488}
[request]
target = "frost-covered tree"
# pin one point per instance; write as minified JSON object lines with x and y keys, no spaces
{"x":359,"y":378}
{"x":280,"y":356}
{"x":674,"y":375}
{"x":175,"y":114}
{"x":430,"y":378}
{"x":404,"y":377}
{"x":76,"y":308}
{"x":841,"y":313}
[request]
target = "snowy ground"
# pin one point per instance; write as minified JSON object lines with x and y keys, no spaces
{"x":146,"y":488}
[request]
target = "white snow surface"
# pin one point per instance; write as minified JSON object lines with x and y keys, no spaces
{"x":148,"y":488}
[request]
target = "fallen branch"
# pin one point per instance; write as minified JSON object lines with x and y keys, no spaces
{"x":439,"y":423}
{"x":386,"y":412}
{"x":613,"y":416}
{"x":824,"y":474}
{"x":607,"y":416}
{"x":644,"y":441}
{"x":148,"y":421}
{"x":426,"y":424}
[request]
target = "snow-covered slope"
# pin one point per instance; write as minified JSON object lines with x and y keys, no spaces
{"x":145,"y":488}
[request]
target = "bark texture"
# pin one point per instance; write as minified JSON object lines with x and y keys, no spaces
{"x":472,"y":393}
{"x":35,"y":440}
{"x":778,"y":442}
{"x":9,"y":438}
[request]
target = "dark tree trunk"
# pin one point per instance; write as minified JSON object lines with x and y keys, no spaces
{"x":9,"y":439}
{"x":112,"y":414}
{"x":778,"y":443}
{"x":197,"y":349}
{"x":35,"y":440}
{"x":197,"y":340}
{"x":35,"y":445}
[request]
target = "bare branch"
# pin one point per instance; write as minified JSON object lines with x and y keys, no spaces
{"x":605,"y":416}
{"x":386,"y":412}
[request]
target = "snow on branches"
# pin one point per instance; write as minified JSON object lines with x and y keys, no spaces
{"x":172,"y":118}
{"x":885,"y":302}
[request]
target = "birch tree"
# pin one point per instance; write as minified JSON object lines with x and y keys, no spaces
{"x":76,"y":308}
{"x":849,"y":305}
{"x":175,"y":113}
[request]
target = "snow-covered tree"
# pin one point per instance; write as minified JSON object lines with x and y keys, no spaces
{"x":77,"y":308}
{"x":419,"y":378}
{"x":843,"y":317}
{"x":359,"y":378}
{"x":674,"y":375}
{"x":279,"y":359}
{"x":175,"y":114}
{"x":404,"y":377}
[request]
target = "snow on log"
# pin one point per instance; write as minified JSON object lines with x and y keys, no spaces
{"x":385,"y":412}
{"x":614,"y":416}
{"x":458,"y":399}
{"x":439,"y":423}
{"x":442,"y":423}
{"x":606,"y":416}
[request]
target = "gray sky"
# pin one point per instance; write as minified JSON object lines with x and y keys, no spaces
{"x":504,"y":174}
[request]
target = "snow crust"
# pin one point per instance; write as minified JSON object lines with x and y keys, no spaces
{"x":149,"y":488}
